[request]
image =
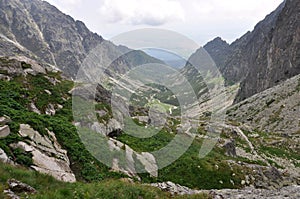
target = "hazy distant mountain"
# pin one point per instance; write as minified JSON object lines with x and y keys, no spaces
{"x":169,"y":58}
{"x":264,"y":57}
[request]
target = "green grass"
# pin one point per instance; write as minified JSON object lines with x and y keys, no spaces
{"x":48,"y":188}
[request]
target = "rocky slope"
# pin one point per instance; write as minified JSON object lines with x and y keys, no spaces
{"x":264,"y":57}
{"x":38,"y":30}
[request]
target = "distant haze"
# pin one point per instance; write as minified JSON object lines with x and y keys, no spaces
{"x":169,"y":58}
{"x":201,"y":20}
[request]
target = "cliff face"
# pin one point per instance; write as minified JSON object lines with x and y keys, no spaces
{"x":39,"y":30}
{"x":264,"y":57}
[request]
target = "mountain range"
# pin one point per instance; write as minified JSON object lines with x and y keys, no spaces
{"x":52,"y":121}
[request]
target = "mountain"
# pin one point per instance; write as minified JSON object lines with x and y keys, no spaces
{"x":169,"y":58}
{"x":264,"y":57}
{"x":38,"y":30}
{"x":113,"y":150}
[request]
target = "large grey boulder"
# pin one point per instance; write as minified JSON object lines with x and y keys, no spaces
{"x":48,"y":156}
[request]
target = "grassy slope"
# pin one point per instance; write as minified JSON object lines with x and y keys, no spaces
{"x":49,"y":188}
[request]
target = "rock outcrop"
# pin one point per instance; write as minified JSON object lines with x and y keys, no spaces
{"x":17,"y":187}
{"x":4,"y":128}
{"x":4,"y":158}
{"x":48,"y":156}
{"x":264,"y":57}
{"x":175,"y":189}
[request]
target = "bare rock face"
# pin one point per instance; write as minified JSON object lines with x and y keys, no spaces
{"x":264,"y":57}
{"x":147,"y":160}
{"x":48,"y":156}
{"x":38,"y":30}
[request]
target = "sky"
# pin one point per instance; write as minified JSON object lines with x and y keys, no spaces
{"x":199,"y":20}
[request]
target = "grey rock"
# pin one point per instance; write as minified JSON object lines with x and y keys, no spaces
{"x":4,"y":131}
{"x":230,"y":148}
{"x":10,"y":194}
{"x":175,"y":189}
{"x":20,"y":187}
{"x":4,"y":120}
{"x":40,"y":31}
{"x":4,"y":158}
{"x":48,"y":156}
{"x":50,"y":110}
{"x":33,"y":108}
{"x":264,"y":57}
{"x":288,"y":192}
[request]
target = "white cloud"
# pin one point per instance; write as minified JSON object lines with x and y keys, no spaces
{"x":142,"y":12}
{"x":66,"y":5}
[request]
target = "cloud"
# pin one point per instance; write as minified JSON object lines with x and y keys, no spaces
{"x":142,"y":12}
{"x":66,"y":6}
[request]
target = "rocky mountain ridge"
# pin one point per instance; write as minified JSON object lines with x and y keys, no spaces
{"x":264,"y":57}
{"x":38,"y":30}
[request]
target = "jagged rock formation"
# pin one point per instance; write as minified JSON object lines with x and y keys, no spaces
{"x":48,"y":156}
{"x":264,"y":57}
{"x":273,"y":110}
{"x":38,"y":30}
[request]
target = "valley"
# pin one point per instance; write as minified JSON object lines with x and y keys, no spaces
{"x":81,"y":117}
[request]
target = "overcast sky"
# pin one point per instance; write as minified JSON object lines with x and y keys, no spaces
{"x":200,"y":20}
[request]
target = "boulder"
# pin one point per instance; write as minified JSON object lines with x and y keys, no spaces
{"x":4,"y":120}
{"x":4,"y":131}
{"x":175,"y":189}
{"x":48,"y":156}
{"x":33,"y":108}
{"x":50,"y":110}
{"x":4,"y":158}
{"x":10,"y":194}
{"x":20,"y":187}
{"x":230,"y":148}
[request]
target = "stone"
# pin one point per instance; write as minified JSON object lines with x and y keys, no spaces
{"x":4,"y":131}
{"x":48,"y":92}
{"x":48,"y":156}
{"x":10,"y":194}
{"x":33,"y":108}
{"x":230,"y":148}
{"x":50,"y":110}
{"x":175,"y":189}
{"x":20,"y":187}
{"x":4,"y":158}
{"x":4,"y":120}
{"x":148,"y":160}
